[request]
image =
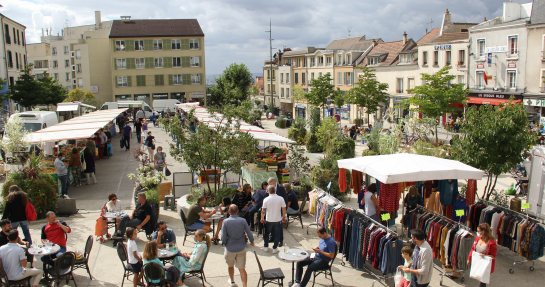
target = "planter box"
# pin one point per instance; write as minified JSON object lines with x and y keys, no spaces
{"x":165,"y":188}
{"x":212,"y":176}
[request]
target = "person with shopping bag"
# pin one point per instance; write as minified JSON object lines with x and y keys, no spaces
{"x":485,"y":245}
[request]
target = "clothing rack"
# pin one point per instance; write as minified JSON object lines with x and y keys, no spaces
{"x":527,"y":217}
{"x":440,"y":268}
{"x":323,"y":194}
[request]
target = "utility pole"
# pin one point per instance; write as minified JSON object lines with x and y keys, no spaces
{"x":270,"y":62}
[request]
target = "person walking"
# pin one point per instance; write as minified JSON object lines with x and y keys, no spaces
{"x":140,"y":115}
{"x":275,"y":209}
{"x":75,"y":166}
{"x":325,"y":251}
{"x":62,"y":174}
{"x":257,"y":201}
{"x":372,"y":209}
{"x":89,"y":171}
{"x":127,"y":136}
{"x":233,"y":238}
{"x":486,"y":245}
{"x":160,"y":159}
{"x":138,"y":129}
{"x":14,"y":210}
{"x":149,"y":142}
{"x":422,"y":266}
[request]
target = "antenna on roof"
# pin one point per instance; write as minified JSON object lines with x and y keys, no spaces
{"x":349,"y":33}
{"x":431,"y":24}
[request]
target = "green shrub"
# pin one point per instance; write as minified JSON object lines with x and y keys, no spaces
{"x":257,"y":113}
{"x":296,"y":134}
{"x":311,"y":141}
{"x":213,"y":199}
{"x":358,"y":122}
{"x":328,"y":171}
{"x":280,"y":123}
{"x":368,"y":152}
{"x":152,"y":195}
{"x":42,"y":191}
{"x":342,"y":147}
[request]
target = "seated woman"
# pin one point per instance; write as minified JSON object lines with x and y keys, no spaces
{"x":114,"y":205}
{"x":195,"y":259}
{"x":172,"y":273}
{"x":223,"y":207}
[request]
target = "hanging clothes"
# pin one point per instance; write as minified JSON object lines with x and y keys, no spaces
{"x":471,"y":191}
{"x":449,"y":191}
{"x":356,"y":181}
{"x":342,"y":179}
{"x":388,"y":198}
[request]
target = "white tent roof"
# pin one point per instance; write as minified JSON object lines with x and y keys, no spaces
{"x":80,"y":127}
{"x":404,"y":167}
{"x":258,"y":133}
{"x":72,"y":106}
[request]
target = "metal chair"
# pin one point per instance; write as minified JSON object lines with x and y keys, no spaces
{"x":63,"y":268}
{"x":274,"y":276}
{"x":326,"y":271}
{"x":84,"y":262}
{"x":6,"y":282}
{"x":199,"y":273}
{"x":187,"y":230}
{"x":298,"y":215}
{"x":154,"y":274}
{"x":127,"y":268}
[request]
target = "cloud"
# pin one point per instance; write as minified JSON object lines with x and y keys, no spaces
{"x":235,"y":29}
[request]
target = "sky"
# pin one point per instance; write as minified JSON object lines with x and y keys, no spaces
{"x":235,"y":29}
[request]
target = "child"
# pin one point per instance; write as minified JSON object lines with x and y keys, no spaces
{"x":145,"y":126}
{"x":134,"y":258}
{"x":407,"y":253}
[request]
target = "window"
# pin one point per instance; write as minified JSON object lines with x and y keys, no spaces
{"x":289,"y":62}
{"x":436,"y":58}
{"x":312,"y":76}
{"x":305,"y":62}
{"x":66,"y":63}
{"x":54,"y":51}
{"x":399,"y":89}
{"x":513,"y":45}
{"x":339,"y":78}
{"x":296,"y":78}
{"x":196,"y":79}
{"x":8,"y":39}
{"x":80,"y":82}
{"x":319,"y":74}
{"x":511,"y":79}
{"x":177,"y":79}
{"x":448,"y":56}
{"x":157,"y":45}
{"x":425,"y":58}
{"x":287,"y":78}
{"x":194,"y":44}
{"x":176,"y":45}
{"x":18,"y":39}
{"x":66,"y":50}
{"x":176,"y":62}
{"x":139,"y":45}
{"x":406,"y":58}
{"x":121,"y":63}
{"x":122,"y":81}
{"x":287,"y":92}
{"x":24,"y":58}
{"x":282,"y":92}
{"x":481,"y":47}
{"x":140,"y":81}
{"x":39,"y":76}
{"x":462,"y":57}
{"x":10,"y":60}
{"x":281,"y":77}
{"x":273,"y":75}
{"x":480,"y":80}
{"x":158,"y":62}
{"x":348,"y":78}
{"x":340,"y":60}
{"x":461,"y":79}
{"x":55,"y":64}
{"x":120,"y":46}
{"x":195,"y":62}
{"x":373,"y":61}
{"x":78,"y":54}
{"x":298,"y":61}
{"x":320,"y":61}
{"x":410,"y":83}
{"x":303,"y":78}
{"x":348,"y":62}
{"x":140,"y":63}
{"x":78,"y":67}
{"x":312,"y":62}
{"x":67,"y":77}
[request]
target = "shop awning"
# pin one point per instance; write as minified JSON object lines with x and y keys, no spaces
{"x":81,"y":127}
{"x":68,"y":107}
{"x":484,"y":101}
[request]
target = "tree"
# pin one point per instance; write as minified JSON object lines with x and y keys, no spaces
{"x":437,"y":96}
{"x":232,"y":86}
{"x":339,"y":98}
{"x":494,"y":139}
{"x":326,"y":132}
{"x":14,"y":137}
{"x":322,"y":88}
{"x":299,"y":94}
{"x":368,"y":92}
{"x":54,"y":92}
{"x":79,"y":95}
{"x":298,"y":161}
{"x":27,"y":91}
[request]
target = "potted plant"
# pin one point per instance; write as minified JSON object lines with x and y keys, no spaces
{"x":147,"y":180}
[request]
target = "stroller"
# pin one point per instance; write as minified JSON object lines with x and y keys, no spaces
{"x":101,"y":227}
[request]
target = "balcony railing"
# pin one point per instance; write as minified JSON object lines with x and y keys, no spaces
{"x":320,"y":64}
{"x":479,"y":87}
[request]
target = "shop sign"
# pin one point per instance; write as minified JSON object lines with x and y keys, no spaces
{"x":511,"y":65}
{"x":494,"y":96}
{"x":94,"y":89}
{"x":160,"y":96}
{"x":198,"y":93}
{"x":480,"y":66}
{"x":442,"y":47}
{"x":497,"y":49}
{"x":535,"y":102}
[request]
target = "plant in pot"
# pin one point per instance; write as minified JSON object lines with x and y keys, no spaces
{"x":147,"y":180}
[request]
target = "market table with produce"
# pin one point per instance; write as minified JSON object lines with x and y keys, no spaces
{"x":49,"y":162}
{"x":270,"y":162}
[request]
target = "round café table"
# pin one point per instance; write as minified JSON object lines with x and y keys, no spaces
{"x":42,"y":250}
{"x":213,"y":218}
{"x":293,"y":255}
{"x":167,"y":254}
{"x":115,"y":216}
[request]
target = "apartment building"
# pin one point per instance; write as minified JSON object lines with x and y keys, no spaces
{"x":39,"y":55}
{"x":14,"y":56}
{"x":295,"y":70}
{"x":270,"y":69}
{"x":157,"y":59}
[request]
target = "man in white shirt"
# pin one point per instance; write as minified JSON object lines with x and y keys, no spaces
{"x":140,"y":115}
{"x":275,"y":209}
{"x":13,"y":259}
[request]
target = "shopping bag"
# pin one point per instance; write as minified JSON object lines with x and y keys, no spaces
{"x":480,"y":267}
{"x":167,"y":172}
{"x":398,"y":277}
{"x":122,"y":143}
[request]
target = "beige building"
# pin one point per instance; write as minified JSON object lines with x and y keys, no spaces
{"x":39,"y":55}
{"x":534,"y":96}
{"x":14,"y":56}
{"x":157,"y":59}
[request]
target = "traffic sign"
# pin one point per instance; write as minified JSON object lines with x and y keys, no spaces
{"x":338,"y":118}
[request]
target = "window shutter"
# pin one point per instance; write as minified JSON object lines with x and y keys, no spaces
{"x":352,"y":78}
{"x":200,"y":78}
{"x":131,"y":63}
{"x":186,"y":62}
{"x":156,"y":80}
{"x":186,"y":79}
{"x":170,"y":80}
{"x":149,"y":62}
{"x":114,"y":46}
{"x":200,"y":63}
{"x":148,"y":45}
{"x":167,"y":44}
{"x":129,"y":81}
{"x":184,"y":44}
{"x":199,"y":43}
{"x":167,"y":62}
{"x":339,"y":78}
{"x":129,"y":45}
{"x":115,"y":63}
{"x":345,"y":79}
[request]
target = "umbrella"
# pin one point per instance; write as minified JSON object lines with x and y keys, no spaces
{"x":405,"y":167}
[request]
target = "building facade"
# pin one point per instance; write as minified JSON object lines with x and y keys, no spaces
{"x":534,"y":96}
{"x":14,"y":57}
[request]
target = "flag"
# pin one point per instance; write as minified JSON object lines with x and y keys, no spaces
{"x":485,"y":78}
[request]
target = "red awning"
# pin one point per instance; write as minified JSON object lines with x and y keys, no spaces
{"x":483,"y":101}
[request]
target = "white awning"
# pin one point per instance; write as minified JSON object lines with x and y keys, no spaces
{"x":67,"y":108}
{"x":81,"y":127}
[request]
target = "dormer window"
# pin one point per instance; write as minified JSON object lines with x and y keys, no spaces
{"x":406,"y":58}
{"x":373,"y":61}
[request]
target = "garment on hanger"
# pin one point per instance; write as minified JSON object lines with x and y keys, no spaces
{"x":356,"y":181}
{"x":471,"y":191}
{"x":388,"y":199}
{"x":449,"y":191}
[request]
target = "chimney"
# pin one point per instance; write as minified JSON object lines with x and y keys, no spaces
{"x":97,"y":19}
{"x":484,"y":19}
{"x":43,"y":32}
{"x":404,"y":37}
{"x":374,"y":42}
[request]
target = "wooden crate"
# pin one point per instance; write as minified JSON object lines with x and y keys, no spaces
{"x":165,"y":188}
{"x":272,"y":168}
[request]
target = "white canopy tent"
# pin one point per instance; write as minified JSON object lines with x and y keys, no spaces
{"x":81,"y":127}
{"x":258,"y":133}
{"x":404,"y":167}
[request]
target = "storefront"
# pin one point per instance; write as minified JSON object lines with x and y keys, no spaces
{"x":143,"y":97}
{"x":198,"y":97}
{"x":123,"y":98}
{"x":345,"y":113}
{"x":301,"y":111}
{"x":160,"y":96}
{"x":536,"y":108}
{"x":178,"y":96}
{"x":492,"y":98}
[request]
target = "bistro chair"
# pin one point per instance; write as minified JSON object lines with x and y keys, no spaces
{"x":6,"y":282}
{"x":154,"y":274}
{"x":127,"y":268}
{"x":188,"y":231}
{"x":63,"y":268}
{"x":84,"y":262}
{"x":327,"y":270}
{"x":199,"y":273}
{"x":298,"y":215}
{"x":274,"y":276}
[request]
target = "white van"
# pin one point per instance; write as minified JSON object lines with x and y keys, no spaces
{"x":129,"y":104}
{"x":34,"y":121}
{"x":160,"y":105}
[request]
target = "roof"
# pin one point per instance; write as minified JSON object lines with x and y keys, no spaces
{"x":156,"y":28}
{"x":449,"y":37}
{"x":392,"y":49}
{"x":538,"y":12}
{"x":12,"y":20}
{"x":353,"y":43}
{"x":294,"y":53}
{"x":430,"y":35}
{"x":259,"y":83}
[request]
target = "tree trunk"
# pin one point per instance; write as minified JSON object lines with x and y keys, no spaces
{"x":436,"y":135}
{"x":492,"y":187}
{"x":486,"y":186}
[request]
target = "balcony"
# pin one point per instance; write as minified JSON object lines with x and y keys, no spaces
{"x":320,"y":64}
{"x":329,"y":64}
{"x":479,"y":87}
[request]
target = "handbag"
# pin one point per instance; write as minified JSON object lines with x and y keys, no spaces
{"x":480,"y":267}
{"x":153,"y":146}
{"x":30,"y":212}
{"x":167,"y":172}
{"x":122,"y":143}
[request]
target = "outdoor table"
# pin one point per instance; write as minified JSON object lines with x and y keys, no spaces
{"x":293,"y":255}
{"x":115,"y":216}
{"x":213,"y":218}
{"x":256,"y":178}
{"x":42,"y":250}
{"x":167,"y":254}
